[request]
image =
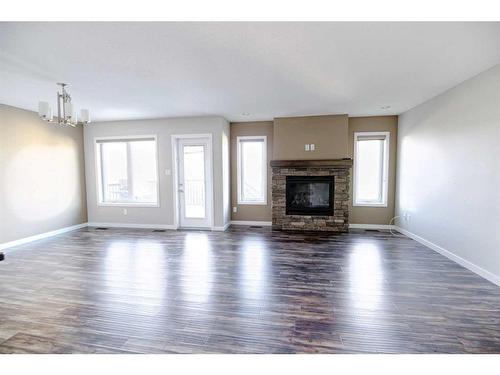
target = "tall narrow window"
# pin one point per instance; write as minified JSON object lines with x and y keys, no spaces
{"x":127,"y":171}
{"x":252,"y":170}
{"x":371,"y":168}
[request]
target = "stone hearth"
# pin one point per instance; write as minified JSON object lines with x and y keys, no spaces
{"x":340,"y":169}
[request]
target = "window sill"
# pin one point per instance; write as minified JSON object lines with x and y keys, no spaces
{"x":252,"y":203}
{"x":138,"y":205}
{"x":382,"y":205}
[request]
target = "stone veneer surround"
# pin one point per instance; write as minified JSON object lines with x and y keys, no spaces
{"x":340,"y":169}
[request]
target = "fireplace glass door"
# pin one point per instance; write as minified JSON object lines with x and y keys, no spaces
{"x":309,"y":195}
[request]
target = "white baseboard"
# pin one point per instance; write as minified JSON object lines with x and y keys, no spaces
{"x":463,"y":262}
{"x":132,"y":225}
{"x":152,"y":226}
{"x":221,"y":229}
{"x":245,"y":222}
{"x":40,"y":236}
{"x":371,"y":226}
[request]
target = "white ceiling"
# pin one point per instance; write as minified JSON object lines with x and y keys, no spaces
{"x":148,"y":70}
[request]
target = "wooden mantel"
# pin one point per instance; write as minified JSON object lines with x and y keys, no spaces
{"x":347,"y":163}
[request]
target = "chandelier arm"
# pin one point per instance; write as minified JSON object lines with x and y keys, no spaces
{"x":63,"y":105}
{"x":58,"y":107}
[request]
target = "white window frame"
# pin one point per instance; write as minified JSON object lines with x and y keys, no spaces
{"x":385,"y":169}
{"x":264,"y":169}
{"x":99,"y":177}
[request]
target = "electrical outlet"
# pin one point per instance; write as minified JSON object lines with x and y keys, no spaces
{"x":306,"y":147}
{"x":312,"y":147}
{"x":406,"y":216}
{"x":235,"y":209}
{"x":168,"y":172}
{"x":125,"y":212}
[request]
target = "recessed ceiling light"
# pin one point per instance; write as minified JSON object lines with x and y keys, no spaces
{"x":245,"y":114}
{"x":385,"y":107}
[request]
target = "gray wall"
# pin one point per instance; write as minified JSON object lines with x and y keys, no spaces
{"x":42,"y":184}
{"x":163,"y":128}
{"x":448,"y":174}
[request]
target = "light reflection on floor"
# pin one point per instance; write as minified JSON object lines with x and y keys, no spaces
{"x":197,"y":271}
{"x":150,"y":271}
{"x":369,"y":302}
{"x":365,"y":276}
{"x":136,"y":269}
{"x":253,"y":269}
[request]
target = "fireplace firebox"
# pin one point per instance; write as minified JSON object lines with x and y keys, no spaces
{"x":309,"y":195}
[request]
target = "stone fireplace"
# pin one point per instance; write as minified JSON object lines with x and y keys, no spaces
{"x":311,"y":195}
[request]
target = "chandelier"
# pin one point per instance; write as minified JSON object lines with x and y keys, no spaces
{"x":65,"y":110}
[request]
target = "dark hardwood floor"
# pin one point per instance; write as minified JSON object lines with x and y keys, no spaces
{"x":243,"y":291}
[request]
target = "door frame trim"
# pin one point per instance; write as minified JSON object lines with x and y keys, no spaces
{"x":175,"y":176}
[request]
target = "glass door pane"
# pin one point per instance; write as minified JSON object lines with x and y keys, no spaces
{"x":194,"y":181}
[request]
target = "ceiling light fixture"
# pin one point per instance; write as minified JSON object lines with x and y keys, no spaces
{"x":65,"y":110}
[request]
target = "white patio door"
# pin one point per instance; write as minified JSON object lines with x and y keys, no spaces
{"x":194,"y":182}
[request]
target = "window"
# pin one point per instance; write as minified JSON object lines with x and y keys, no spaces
{"x":252,"y":170}
{"x":127,"y":171}
{"x":371,"y":168}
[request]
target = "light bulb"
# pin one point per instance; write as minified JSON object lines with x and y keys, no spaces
{"x":68,"y":111}
{"x":85,"y":116}
{"x":44,"y":110}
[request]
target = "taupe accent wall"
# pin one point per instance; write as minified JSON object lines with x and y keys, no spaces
{"x":251,"y":212}
{"x":329,"y":134}
{"x":334,"y":139}
{"x":42,"y":178}
{"x":376,"y":215}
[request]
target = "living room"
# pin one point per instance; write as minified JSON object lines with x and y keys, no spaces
{"x":249,"y":187}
